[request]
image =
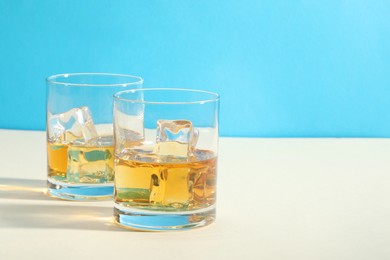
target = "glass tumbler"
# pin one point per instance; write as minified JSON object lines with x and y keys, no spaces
{"x":166,"y":145}
{"x":79,"y":127}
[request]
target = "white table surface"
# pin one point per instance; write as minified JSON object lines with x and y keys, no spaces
{"x":277,"y":199}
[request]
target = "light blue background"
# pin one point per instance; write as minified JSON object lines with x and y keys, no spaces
{"x":283,"y":68}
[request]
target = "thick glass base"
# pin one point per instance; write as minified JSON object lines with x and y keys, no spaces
{"x":149,"y":220}
{"x":82,"y":192}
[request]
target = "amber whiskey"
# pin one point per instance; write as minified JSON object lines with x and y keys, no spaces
{"x":90,"y":163}
{"x":151,"y":182}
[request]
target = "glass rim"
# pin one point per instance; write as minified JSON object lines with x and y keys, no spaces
{"x":200,"y":101}
{"x":53,"y":79}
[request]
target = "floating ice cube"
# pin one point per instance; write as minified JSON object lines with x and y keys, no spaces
{"x":171,"y":188}
{"x":73,"y":125}
{"x":175,"y":138}
{"x":92,"y":162}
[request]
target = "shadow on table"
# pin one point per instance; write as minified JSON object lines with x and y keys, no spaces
{"x":32,"y":215}
{"x":57,"y":216}
{"x":26,"y":189}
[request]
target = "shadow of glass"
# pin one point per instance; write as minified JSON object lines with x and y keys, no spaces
{"x":57,"y":217}
{"x":26,"y":189}
{"x":26,"y":215}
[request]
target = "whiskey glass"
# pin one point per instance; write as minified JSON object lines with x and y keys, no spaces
{"x":79,"y":127}
{"x":166,"y":146}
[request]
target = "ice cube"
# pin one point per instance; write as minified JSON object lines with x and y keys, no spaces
{"x":75,"y":124}
{"x":171,"y":188}
{"x":92,"y":162}
{"x":175,"y":138}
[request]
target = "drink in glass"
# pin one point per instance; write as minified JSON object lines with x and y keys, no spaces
{"x":80,"y":143}
{"x":165,"y":158}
